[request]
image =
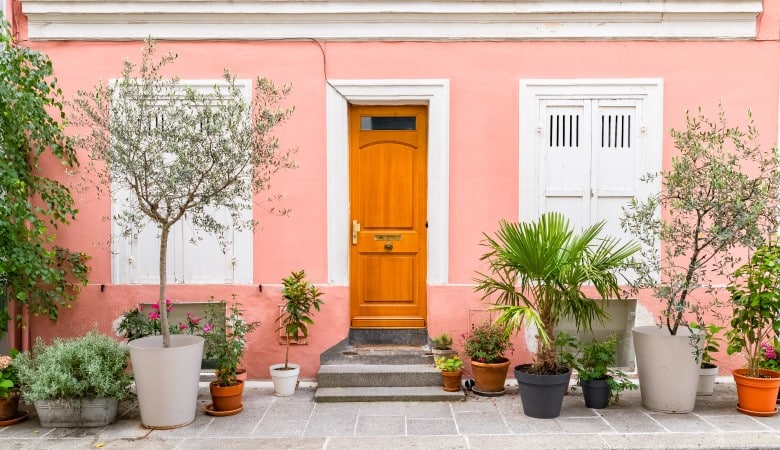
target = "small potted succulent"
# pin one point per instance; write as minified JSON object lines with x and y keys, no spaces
{"x":300,"y":297}
{"x":441,"y":346}
{"x":75,"y":382}
{"x":9,"y":390}
{"x":225,"y":343}
{"x":485,"y":346}
{"x":451,"y":371}
{"x":755,"y":296}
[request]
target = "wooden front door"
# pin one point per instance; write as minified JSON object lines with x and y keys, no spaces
{"x":388,"y":165}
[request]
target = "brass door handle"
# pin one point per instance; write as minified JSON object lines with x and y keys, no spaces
{"x":389,"y":247}
{"x":355,"y":231}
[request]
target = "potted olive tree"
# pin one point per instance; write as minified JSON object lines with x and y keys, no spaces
{"x":300,"y":297}
{"x":718,"y":196}
{"x":166,"y":150}
{"x":755,"y":295}
{"x":537,"y":270}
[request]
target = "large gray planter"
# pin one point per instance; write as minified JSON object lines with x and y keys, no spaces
{"x":668,"y":369}
{"x":96,"y":412}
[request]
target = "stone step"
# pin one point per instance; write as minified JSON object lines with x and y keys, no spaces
{"x":383,"y":375}
{"x":345,"y":353}
{"x":386,"y":394}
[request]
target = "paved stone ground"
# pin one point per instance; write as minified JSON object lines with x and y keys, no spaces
{"x":299,"y":423}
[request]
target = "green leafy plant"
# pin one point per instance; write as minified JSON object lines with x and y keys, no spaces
{"x":719,"y":195}
{"x":451,"y":364}
{"x":595,"y":360}
{"x":711,"y":342}
{"x":226,"y":342}
{"x":208,"y":152}
{"x":91,"y":366}
{"x":299,"y":296}
{"x":442,"y":341}
{"x":487,"y":342}
{"x":34,"y":272}
{"x":8,"y":377}
{"x":537,"y":270}
{"x":755,"y":295}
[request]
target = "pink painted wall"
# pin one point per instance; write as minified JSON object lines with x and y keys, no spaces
{"x":484,"y":154}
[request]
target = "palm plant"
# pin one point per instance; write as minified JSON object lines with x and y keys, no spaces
{"x":537,"y":270}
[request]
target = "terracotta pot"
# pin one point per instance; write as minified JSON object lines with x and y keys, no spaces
{"x":9,"y":406}
{"x":241,"y":374}
{"x":226,"y":398}
{"x":489,"y":379}
{"x":757,"y":396}
{"x":451,"y":380}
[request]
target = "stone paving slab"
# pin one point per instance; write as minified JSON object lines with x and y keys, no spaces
{"x":298,"y":422}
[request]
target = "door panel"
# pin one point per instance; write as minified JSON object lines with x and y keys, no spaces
{"x":388,"y":166}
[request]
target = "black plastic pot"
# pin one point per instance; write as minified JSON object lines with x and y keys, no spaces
{"x":596,"y":393}
{"x":542,"y":395}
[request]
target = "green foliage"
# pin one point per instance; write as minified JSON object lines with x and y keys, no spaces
{"x":166,"y":150}
{"x":451,"y":364}
{"x":755,"y":295}
{"x":719,"y":195}
{"x":711,"y":342}
{"x":36,"y":274}
{"x":226,"y":342}
{"x":596,"y":360}
{"x":442,"y":341}
{"x":299,"y":296}
{"x":136,"y":323}
{"x":537,"y":270}
{"x":91,"y":366}
{"x":487,"y":343}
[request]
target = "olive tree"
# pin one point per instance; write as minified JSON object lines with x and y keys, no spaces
{"x":166,"y":150}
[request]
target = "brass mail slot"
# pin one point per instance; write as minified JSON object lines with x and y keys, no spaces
{"x":388,"y":237}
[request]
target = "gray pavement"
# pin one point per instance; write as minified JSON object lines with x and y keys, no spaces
{"x":298,"y":423}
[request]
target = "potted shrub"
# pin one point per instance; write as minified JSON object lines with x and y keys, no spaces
{"x":755,"y":295}
{"x":225,"y":343}
{"x":9,"y":391}
{"x":537,"y":270}
{"x":485,"y":346}
{"x":75,"y":382}
{"x":708,"y":370}
{"x":716,"y":198}
{"x":300,"y":297}
{"x":162,"y":173}
{"x":441,"y":345}
{"x":600,"y":381}
{"x":451,"y":368}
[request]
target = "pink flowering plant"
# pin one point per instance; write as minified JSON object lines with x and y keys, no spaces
{"x":8,"y":376}
{"x":138,"y":323}
{"x":769,"y":353}
{"x":226,"y":341}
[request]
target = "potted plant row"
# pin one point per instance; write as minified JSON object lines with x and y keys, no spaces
{"x":536,"y":272}
{"x":75,"y":382}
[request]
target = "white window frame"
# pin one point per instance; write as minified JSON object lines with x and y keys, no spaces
{"x":124,"y":249}
{"x":649,"y":90}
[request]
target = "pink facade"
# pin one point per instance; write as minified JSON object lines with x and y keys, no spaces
{"x":484,"y":150}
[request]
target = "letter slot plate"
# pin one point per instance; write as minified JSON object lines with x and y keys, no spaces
{"x":388,"y":237}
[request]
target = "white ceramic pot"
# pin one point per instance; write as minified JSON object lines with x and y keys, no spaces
{"x":166,"y":379}
{"x":668,"y":369}
{"x":707,"y":377}
{"x":285,"y":381}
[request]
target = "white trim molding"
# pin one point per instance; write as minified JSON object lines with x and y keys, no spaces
{"x":383,"y":20}
{"x":435,"y":94}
